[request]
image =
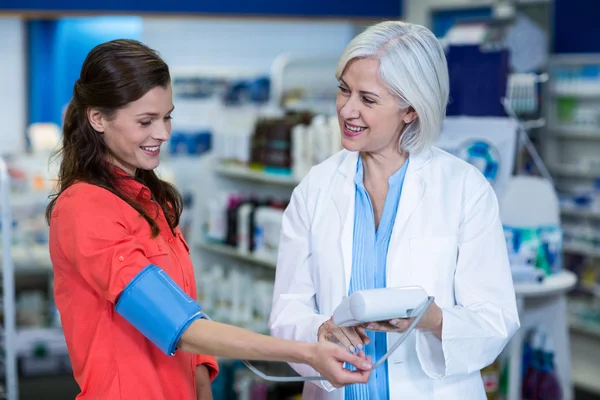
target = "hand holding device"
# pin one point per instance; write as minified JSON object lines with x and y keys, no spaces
{"x":375,"y":305}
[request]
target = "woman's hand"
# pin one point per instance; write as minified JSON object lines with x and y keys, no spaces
{"x":328,"y":359}
{"x":431,"y":321}
{"x":352,"y":338}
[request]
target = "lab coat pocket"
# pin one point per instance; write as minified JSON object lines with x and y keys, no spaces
{"x":432,"y":265}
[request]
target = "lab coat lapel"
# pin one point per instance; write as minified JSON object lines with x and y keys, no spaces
{"x":413,"y":190}
{"x":344,"y":197}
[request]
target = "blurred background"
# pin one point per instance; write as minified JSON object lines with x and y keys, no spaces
{"x":254,"y":90}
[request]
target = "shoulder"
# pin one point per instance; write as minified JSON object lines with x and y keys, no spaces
{"x":324,"y":174}
{"x":85,"y":198}
{"x":455,"y":175}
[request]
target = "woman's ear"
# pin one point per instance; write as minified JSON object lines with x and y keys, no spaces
{"x":410,"y":115}
{"x":96,"y":119}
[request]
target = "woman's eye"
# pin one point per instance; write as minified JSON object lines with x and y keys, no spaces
{"x":368,"y":100}
{"x":145,"y":123}
{"x":168,"y":118}
{"x":343,"y":89}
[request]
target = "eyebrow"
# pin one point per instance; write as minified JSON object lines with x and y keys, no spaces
{"x":153,"y":114}
{"x":360,"y":91}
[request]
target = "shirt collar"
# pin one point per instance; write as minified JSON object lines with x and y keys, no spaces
{"x":129,"y":184}
{"x":394,"y":180}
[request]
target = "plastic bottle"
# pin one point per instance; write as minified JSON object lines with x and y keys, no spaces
{"x":548,"y":387}
{"x":491,"y":380}
{"x":532,"y":373}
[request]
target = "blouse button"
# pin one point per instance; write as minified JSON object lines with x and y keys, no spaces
{"x":121,"y":258}
{"x":170,"y":240}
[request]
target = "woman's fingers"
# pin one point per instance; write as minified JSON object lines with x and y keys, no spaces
{"x":363,"y":335}
{"x":350,"y":338}
{"x":393,"y":325}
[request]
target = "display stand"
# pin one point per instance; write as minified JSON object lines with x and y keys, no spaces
{"x":543,"y":305}
{"x":8,"y":287}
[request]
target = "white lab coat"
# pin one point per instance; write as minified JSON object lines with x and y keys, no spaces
{"x":447,"y":238}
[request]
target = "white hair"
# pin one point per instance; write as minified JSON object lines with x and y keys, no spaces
{"x":413,"y":67}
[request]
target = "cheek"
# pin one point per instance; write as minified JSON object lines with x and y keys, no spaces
{"x":339,"y":103}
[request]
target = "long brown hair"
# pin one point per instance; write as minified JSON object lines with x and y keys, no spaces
{"x":113,"y":75}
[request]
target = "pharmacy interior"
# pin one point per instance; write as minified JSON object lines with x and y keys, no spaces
{"x":255,"y":91}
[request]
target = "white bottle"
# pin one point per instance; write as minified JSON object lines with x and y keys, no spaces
{"x":216,"y":217}
{"x":335,"y":135}
{"x":322,"y":141}
{"x":268,"y":227}
{"x":300,"y":154}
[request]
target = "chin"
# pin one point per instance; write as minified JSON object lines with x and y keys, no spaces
{"x":352,"y":145}
{"x":148,"y":166}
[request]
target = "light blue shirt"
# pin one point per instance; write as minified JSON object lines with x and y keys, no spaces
{"x":369,"y":254}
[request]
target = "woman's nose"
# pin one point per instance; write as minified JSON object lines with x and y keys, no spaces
{"x":349,"y":109}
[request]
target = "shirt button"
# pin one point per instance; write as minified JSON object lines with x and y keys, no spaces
{"x":170,"y":240}
{"x":121,"y":258}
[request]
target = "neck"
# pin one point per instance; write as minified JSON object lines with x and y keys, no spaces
{"x":382,"y":165}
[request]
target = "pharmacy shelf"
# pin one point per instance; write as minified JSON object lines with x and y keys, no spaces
{"x":592,"y":330}
{"x":244,"y":173}
{"x":585,"y":251}
{"x":229,"y":251}
{"x":576,"y":94}
{"x":580,"y":213}
{"x":552,"y":285}
{"x":585,"y":370}
{"x":32,"y":263}
{"x":573,"y":171}
{"x":565,"y":132}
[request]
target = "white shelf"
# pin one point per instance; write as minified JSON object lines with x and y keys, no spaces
{"x":592,"y":330}
{"x":244,"y":173}
{"x":578,"y":95}
{"x":552,"y":285}
{"x":580,"y":213}
{"x":575,"y":133}
{"x":34,"y":262}
{"x":582,"y":250}
{"x":574,"y":171}
{"x":229,"y":251}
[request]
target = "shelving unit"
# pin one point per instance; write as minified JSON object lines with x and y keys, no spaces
{"x":244,"y":173}
{"x":9,"y":325}
{"x":570,"y":149}
{"x":581,"y":214}
{"x":542,"y":304}
{"x":229,"y":251}
{"x":561,"y":132}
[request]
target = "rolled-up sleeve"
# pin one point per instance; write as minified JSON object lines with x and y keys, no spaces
{"x":94,"y":237}
{"x":485,"y":317}
{"x":211,"y":364}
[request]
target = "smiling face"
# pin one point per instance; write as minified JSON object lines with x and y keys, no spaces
{"x":135,"y":133}
{"x":369,"y":115}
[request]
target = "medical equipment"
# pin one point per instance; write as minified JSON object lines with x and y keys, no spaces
{"x":375,"y":305}
{"x":156,"y":306}
{"x":372,"y":306}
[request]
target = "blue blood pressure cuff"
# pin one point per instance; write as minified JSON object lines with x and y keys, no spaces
{"x":157,"y":307}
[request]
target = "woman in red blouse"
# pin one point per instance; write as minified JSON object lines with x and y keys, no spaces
{"x":114,"y":225}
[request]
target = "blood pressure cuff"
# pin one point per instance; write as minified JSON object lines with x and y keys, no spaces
{"x":157,"y":307}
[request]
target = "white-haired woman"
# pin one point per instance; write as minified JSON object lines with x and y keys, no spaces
{"x":392,"y":210}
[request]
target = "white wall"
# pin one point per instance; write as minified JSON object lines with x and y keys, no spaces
{"x":12,"y":86}
{"x":231,"y":43}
